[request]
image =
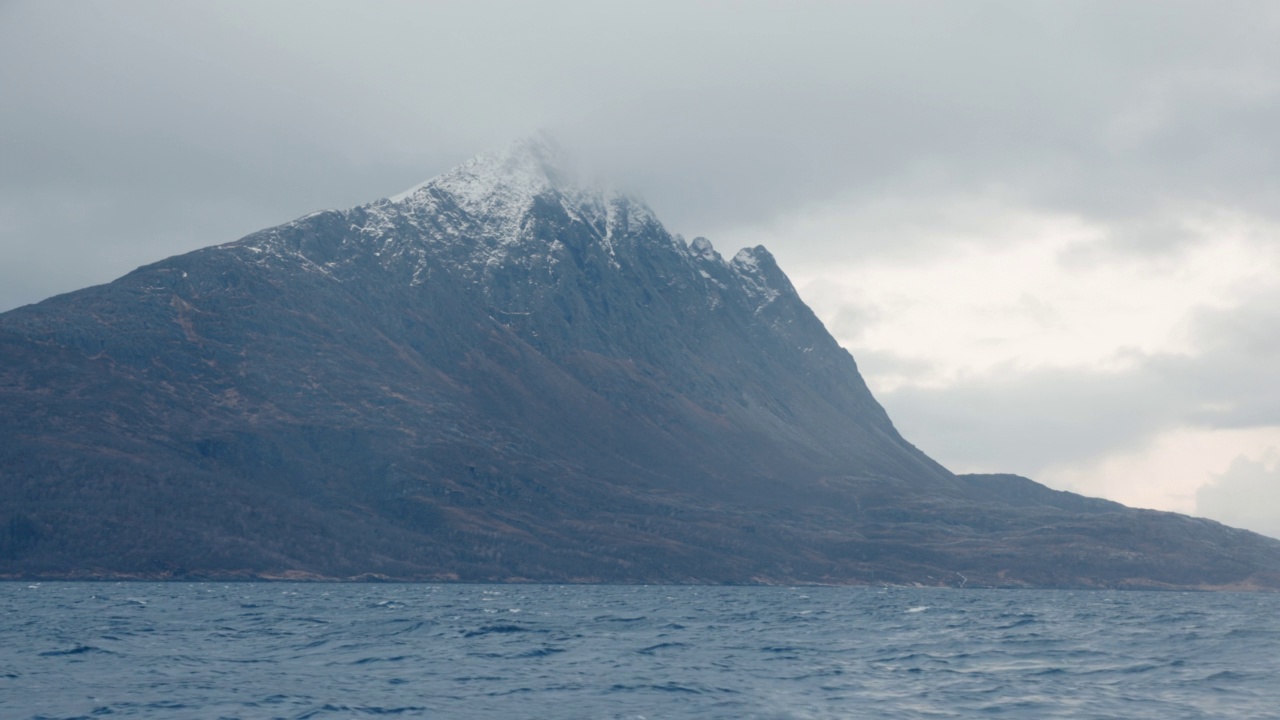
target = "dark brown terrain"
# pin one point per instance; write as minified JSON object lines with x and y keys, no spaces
{"x":506,"y":377}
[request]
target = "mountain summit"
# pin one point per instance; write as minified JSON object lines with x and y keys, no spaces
{"x":507,"y":374}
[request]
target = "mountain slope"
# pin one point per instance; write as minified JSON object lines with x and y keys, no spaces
{"x":503,"y":374}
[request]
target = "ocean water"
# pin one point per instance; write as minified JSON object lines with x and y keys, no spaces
{"x":271,"y":650}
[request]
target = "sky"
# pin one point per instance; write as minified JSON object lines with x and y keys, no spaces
{"x":1049,"y":232}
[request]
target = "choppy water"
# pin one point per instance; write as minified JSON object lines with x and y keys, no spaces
{"x":483,"y":651}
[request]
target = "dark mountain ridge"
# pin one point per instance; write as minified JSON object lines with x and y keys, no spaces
{"x":505,"y":375}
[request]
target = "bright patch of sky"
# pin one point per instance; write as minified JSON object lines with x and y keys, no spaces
{"x":1014,"y":291}
{"x":1179,"y":465}
{"x":1006,"y":293}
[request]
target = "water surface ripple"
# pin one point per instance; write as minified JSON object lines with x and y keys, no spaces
{"x":268,"y":650}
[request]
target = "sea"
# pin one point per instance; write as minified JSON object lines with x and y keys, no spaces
{"x":277,"y":650}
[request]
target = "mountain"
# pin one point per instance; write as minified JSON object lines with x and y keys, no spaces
{"x":506,"y":374}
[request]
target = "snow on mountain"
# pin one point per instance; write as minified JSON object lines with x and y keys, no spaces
{"x":487,"y":215}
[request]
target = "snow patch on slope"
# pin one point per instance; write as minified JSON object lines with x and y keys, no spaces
{"x":480,"y":218}
{"x":747,"y":266}
{"x":500,"y":185}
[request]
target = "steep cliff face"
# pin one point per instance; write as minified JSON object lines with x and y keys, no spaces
{"x":500,"y":374}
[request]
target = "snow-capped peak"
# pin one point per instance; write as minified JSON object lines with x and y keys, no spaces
{"x":493,"y":213}
{"x":510,"y":175}
{"x":496,"y":190}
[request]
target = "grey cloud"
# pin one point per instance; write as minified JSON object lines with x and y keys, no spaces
{"x":850,"y":321}
{"x":1154,"y":237}
{"x":1034,"y":419}
{"x":882,"y":364}
{"x":720,"y":116}
{"x":1235,"y":374}
{"x":124,"y":144}
{"x":1023,"y":422}
{"x":1246,"y":495}
{"x":1026,"y":99}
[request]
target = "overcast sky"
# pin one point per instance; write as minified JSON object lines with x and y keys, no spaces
{"x":1048,"y":232}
